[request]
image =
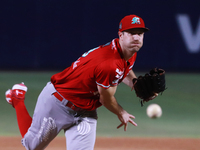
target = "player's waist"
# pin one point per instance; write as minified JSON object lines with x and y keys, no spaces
{"x":80,"y":111}
{"x":66,"y":102}
{"x":85,"y":103}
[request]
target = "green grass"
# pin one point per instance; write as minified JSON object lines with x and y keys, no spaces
{"x":180,"y":104}
{"x":35,"y":81}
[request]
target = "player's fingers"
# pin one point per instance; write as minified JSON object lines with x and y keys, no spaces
{"x":132,"y":88}
{"x":134,"y":82}
{"x":155,"y":95}
{"x":125,"y":126}
{"x":131,"y":116}
{"x":133,"y":123}
{"x":120,"y":126}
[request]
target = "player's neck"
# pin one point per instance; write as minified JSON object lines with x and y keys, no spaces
{"x":126,"y":52}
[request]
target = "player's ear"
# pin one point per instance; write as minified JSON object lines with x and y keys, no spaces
{"x":120,"y":33}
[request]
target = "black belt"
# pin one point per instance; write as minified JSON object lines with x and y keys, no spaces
{"x":69,"y":104}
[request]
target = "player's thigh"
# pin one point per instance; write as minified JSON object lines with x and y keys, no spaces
{"x":50,"y":116}
{"x":82,"y":136}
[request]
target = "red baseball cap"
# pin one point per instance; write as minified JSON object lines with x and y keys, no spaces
{"x":132,"y":21}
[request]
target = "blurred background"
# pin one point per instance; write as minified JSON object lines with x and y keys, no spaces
{"x":51,"y":34}
{"x":41,"y":37}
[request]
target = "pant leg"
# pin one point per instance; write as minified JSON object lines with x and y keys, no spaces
{"x":82,"y":136}
{"x":50,"y":116}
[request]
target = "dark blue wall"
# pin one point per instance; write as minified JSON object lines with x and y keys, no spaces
{"x":50,"y":34}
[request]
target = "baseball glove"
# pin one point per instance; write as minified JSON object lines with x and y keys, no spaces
{"x":147,"y":87}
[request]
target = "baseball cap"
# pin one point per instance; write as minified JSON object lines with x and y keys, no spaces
{"x":132,"y":21}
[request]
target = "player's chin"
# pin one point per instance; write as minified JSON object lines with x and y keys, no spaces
{"x":135,"y":48}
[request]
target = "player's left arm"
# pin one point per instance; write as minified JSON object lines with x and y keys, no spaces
{"x":128,"y":80}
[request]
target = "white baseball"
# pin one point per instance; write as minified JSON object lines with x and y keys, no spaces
{"x":154,"y":111}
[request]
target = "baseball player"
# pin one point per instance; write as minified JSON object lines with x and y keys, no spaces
{"x":70,"y":100}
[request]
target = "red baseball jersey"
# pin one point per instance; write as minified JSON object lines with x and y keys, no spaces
{"x":103,"y":66}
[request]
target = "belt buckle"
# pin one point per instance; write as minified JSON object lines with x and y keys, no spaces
{"x":73,"y":106}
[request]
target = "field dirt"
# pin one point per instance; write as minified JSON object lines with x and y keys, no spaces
{"x":105,"y":143}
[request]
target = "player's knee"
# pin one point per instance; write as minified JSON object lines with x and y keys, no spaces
{"x":39,"y":140}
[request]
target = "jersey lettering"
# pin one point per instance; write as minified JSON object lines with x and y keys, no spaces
{"x":119,"y":76}
{"x":84,"y":55}
{"x":75,"y":63}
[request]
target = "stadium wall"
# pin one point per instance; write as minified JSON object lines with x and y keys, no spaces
{"x":51,"y":34}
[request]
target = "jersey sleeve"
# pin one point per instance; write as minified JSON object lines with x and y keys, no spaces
{"x":105,"y":75}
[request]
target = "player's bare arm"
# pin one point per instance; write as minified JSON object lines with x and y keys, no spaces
{"x":128,"y":79}
{"x":109,"y":101}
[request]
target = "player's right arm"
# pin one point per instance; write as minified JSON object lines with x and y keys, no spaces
{"x":109,"y":101}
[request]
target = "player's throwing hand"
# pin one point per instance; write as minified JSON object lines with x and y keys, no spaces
{"x":125,"y":118}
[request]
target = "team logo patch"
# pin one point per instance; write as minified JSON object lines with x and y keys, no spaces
{"x":83,"y":127}
{"x":136,"y":20}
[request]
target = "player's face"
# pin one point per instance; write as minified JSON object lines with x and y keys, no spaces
{"x":132,"y":39}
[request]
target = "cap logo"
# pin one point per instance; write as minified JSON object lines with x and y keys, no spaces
{"x":136,"y":20}
{"x":120,"y":26}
